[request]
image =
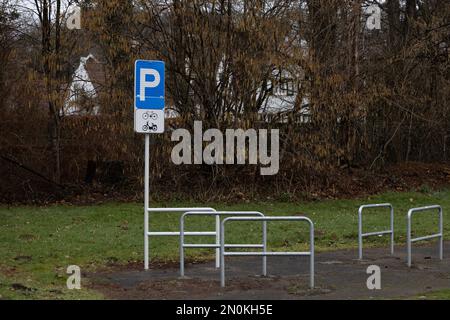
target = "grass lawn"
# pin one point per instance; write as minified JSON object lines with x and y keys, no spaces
{"x":37,"y":244}
{"x":438,"y":295}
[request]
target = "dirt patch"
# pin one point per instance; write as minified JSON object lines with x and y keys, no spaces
{"x":402,"y":177}
{"x":338,"y":276}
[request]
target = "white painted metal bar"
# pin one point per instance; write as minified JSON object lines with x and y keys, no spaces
{"x":267,"y":254}
{"x":217,"y":214}
{"x":199,"y":246}
{"x":223,"y":253}
{"x":148,"y":210}
{"x":179,"y":210}
{"x":244,"y":246}
{"x":362,"y":235}
{"x":440,"y":235}
{"x":176,"y":234}
{"x":218,"y":242}
{"x":370,"y":234}
{"x":214,"y":246}
{"x":426,"y":238}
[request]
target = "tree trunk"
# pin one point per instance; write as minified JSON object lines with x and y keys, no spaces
{"x":393,"y":10}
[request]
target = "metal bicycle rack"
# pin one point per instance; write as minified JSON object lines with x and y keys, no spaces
{"x":440,"y":235}
{"x":362,"y":235}
{"x":223,"y":247}
{"x":148,"y":210}
{"x":217,"y":246}
{"x":148,"y":234}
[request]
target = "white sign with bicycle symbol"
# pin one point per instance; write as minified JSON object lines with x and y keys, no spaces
{"x":149,"y":121}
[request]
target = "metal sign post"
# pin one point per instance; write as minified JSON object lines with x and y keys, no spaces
{"x":146,"y":200}
{"x":149,"y":104}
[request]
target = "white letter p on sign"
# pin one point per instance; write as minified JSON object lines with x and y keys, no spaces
{"x":148,"y":84}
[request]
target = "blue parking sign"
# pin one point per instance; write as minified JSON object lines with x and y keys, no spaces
{"x":149,"y":86}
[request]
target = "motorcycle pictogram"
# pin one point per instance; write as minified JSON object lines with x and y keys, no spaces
{"x":148,"y":127}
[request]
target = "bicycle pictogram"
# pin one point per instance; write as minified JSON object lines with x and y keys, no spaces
{"x":150,"y":115}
